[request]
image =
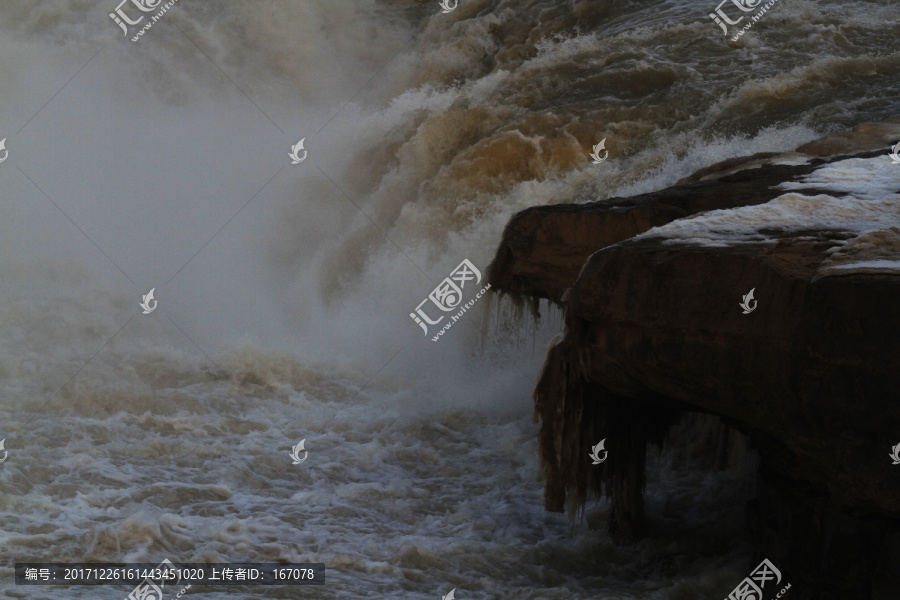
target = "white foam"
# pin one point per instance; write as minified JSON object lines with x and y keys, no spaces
{"x":870,"y":204}
{"x":893,"y":265}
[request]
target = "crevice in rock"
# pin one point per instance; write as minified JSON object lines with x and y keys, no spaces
{"x":575,"y":414}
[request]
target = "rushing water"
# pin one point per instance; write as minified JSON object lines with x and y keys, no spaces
{"x":285,"y":290}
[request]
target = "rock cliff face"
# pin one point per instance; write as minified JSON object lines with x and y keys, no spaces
{"x":651,"y":287}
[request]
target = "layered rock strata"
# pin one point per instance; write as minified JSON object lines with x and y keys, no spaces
{"x":651,"y":287}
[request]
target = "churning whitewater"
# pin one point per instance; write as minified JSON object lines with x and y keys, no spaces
{"x":284,"y":290}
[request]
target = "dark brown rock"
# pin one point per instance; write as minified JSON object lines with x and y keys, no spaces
{"x":654,"y":330}
{"x":543,"y":248}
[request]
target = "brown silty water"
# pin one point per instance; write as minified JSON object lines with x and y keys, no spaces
{"x":138,"y":438}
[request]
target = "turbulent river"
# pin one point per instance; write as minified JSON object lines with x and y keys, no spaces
{"x":285,"y":290}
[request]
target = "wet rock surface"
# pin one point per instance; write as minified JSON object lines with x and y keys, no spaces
{"x":654,"y":330}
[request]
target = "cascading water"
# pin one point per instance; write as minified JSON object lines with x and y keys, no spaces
{"x":285,"y":290}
